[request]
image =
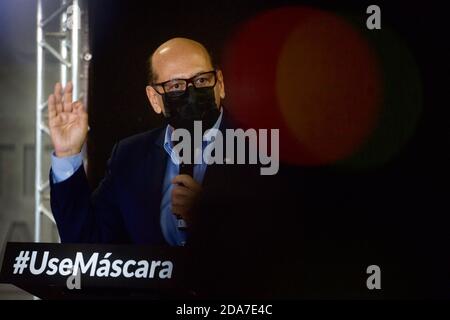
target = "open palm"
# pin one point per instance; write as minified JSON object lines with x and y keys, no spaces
{"x":68,"y":121}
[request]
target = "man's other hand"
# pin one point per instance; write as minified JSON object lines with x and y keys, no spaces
{"x":185,"y":195}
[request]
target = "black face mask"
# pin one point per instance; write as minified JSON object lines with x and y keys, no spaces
{"x":195,"y":104}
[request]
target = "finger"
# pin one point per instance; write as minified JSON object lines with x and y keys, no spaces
{"x":67,"y":107}
{"x":180,"y":191}
{"x":181,"y":201}
{"x":67,"y":98}
{"x":79,"y":104}
{"x":179,"y":210}
{"x":51,"y":107}
{"x":78,"y":108}
{"x":57,"y":94}
{"x":186,"y":181}
{"x":184,"y":200}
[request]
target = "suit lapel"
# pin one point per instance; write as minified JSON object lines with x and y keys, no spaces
{"x":155,"y":165}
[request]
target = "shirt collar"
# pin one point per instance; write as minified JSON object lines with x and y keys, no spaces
{"x":207,"y":137}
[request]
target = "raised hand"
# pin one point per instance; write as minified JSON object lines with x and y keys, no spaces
{"x":68,"y":121}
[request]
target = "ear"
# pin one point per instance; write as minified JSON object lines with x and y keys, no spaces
{"x":221,"y":84}
{"x":154,"y":99}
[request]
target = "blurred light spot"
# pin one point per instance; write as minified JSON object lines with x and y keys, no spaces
{"x":316,"y":77}
{"x":401,"y":106}
{"x":328,"y":87}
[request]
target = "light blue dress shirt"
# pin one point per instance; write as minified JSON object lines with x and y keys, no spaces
{"x":64,"y":168}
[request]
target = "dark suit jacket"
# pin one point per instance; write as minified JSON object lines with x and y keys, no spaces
{"x":296,"y":234}
{"x":125,"y":208}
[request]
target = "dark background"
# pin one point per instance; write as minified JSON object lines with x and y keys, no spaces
{"x":327,"y":225}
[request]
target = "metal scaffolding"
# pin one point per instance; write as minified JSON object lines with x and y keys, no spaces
{"x":66,"y":26}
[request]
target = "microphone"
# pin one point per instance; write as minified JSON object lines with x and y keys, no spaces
{"x":189,"y":170}
{"x":186,"y":168}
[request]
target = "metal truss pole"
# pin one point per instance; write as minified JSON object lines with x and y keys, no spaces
{"x":38,"y":144}
{"x":73,"y":57}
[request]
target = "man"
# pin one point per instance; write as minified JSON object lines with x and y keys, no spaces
{"x":142,"y":195}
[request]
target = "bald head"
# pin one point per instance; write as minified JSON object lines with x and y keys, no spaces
{"x":178,"y":58}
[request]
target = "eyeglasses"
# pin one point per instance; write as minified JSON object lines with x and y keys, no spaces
{"x":179,"y":86}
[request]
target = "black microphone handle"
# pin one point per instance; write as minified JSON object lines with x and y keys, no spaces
{"x":189,"y":170}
